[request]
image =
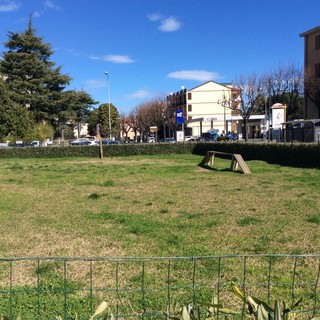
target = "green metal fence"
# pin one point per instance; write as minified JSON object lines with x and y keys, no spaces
{"x":136,"y":288}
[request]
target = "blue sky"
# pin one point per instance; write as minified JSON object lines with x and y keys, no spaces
{"x":153,"y":47}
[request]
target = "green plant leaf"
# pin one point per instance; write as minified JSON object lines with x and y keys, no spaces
{"x":262,"y":314}
{"x":260,"y":302}
{"x":277,"y":311}
{"x":213,"y":305}
{"x":226,"y":310}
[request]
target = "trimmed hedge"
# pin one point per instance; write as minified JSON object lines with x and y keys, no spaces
{"x":297,"y":155}
{"x":94,"y":151}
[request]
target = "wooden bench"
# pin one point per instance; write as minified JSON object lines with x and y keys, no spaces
{"x":236,"y":160}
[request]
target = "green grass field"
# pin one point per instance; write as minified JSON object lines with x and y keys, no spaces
{"x":155,"y":206}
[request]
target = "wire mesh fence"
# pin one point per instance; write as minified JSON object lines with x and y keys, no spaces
{"x":135,"y":288}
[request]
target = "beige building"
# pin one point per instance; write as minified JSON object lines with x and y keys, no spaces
{"x":312,"y":72}
{"x":209,"y":105}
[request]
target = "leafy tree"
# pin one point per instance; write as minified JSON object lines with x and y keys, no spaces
{"x":32,"y":79}
{"x":37,"y":85}
{"x":16,"y":122}
{"x":42,"y":131}
{"x":101,"y":116}
{"x":74,"y":109}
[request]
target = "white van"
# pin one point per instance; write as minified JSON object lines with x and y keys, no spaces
{"x":35,"y":143}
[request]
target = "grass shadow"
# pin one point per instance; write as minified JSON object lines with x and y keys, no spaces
{"x":207,"y":167}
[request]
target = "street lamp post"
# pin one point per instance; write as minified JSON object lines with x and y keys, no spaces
{"x":266,"y":121}
{"x":226,"y":103}
{"x":108,"y":87}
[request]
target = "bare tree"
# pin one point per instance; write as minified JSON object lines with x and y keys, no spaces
{"x":124,"y":122}
{"x":285,"y":85}
{"x":143,"y":119}
{"x":249,"y":98}
{"x":312,"y":90}
{"x":133,"y":123}
{"x":150,"y":113}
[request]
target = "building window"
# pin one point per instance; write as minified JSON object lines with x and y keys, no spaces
{"x":317,"y":70}
{"x":317,"y":42}
{"x":189,"y":96}
{"x":189,"y":107}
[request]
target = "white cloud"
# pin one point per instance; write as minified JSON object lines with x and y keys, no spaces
{"x":74,"y":53}
{"x":117,"y":59}
{"x":170,"y":24}
{"x":95,"y":58}
{"x":36,"y":14}
{"x":94,"y":84}
{"x":50,"y":5}
{"x":141,"y":93}
{"x":8,"y":6}
{"x":198,"y":75}
{"x":154,"y":17}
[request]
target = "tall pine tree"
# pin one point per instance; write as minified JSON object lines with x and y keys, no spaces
{"x":16,"y":122}
{"x":32,"y":79}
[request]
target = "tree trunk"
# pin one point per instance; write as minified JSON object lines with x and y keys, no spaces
{"x":244,"y":129}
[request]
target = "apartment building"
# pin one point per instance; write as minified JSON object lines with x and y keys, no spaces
{"x":207,"y":106}
{"x":312,"y":72}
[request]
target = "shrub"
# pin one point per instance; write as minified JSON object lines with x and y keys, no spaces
{"x":296,"y":155}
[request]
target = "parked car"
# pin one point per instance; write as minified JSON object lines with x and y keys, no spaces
{"x":82,"y":142}
{"x":169,"y":140}
{"x":4,"y":144}
{"x":209,"y":136}
{"x":105,"y":141}
{"x":151,"y":139}
{"x":232,"y":136}
{"x":189,"y":138}
{"x":35,"y":143}
{"x":18,"y":145}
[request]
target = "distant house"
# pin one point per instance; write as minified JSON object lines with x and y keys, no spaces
{"x":80,"y":130}
{"x":312,"y":72}
{"x":208,"y":106}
